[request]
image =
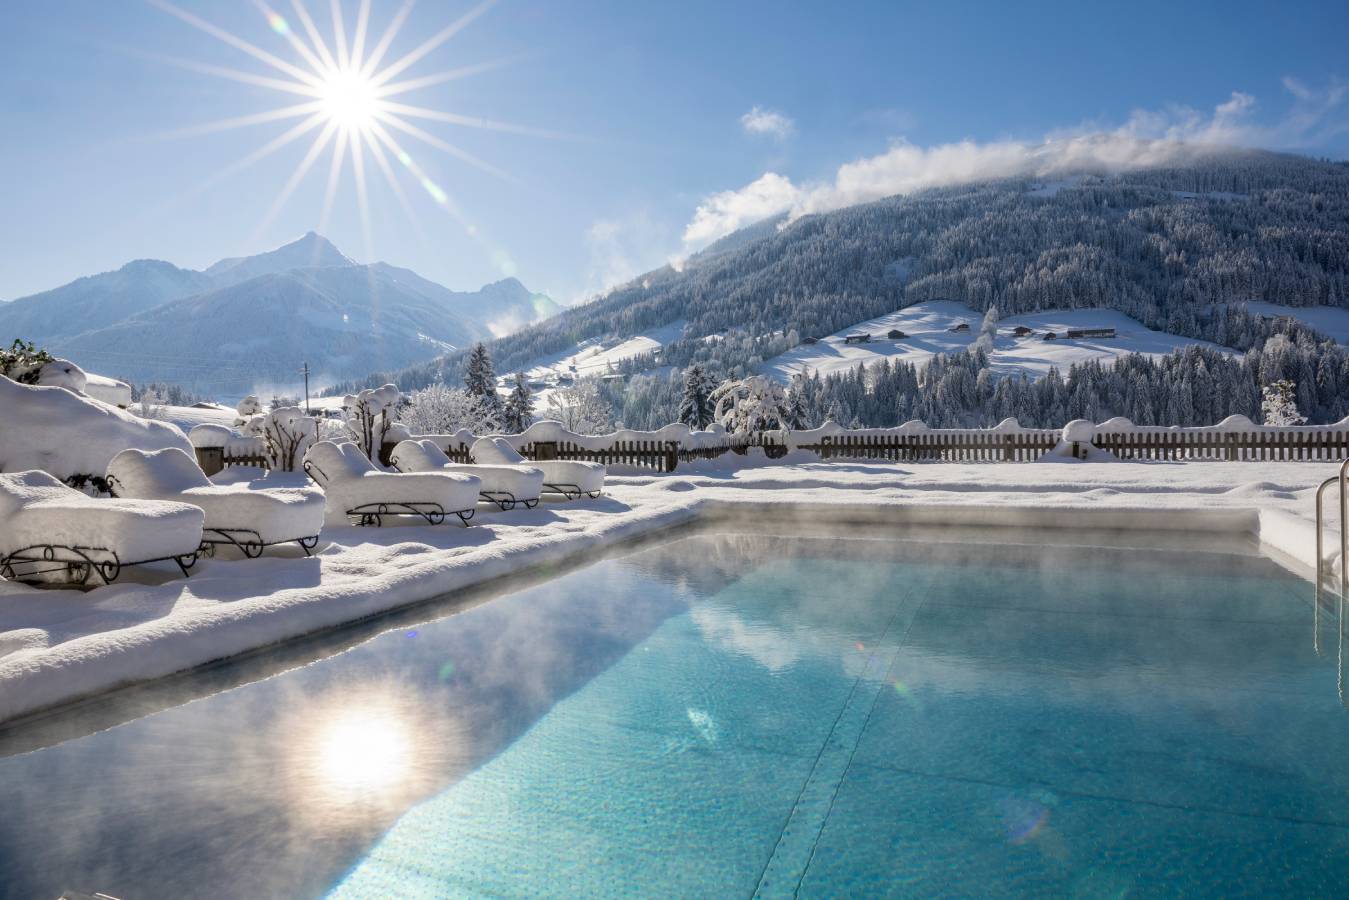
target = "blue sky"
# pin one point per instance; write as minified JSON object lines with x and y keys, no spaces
{"x":660,"y":125}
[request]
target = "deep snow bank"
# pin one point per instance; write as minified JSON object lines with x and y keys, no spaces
{"x":64,"y":433}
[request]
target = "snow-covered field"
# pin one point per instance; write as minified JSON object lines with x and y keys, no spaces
{"x":598,"y":359}
{"x":1332,"y":321}
{"x":928,"y":328}
{"x":56,"y":646}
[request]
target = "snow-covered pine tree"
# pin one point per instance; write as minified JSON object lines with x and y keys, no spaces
{"x":988,"y":330}
{"x":519,"y":411}
{"x":797,"y":417}
{"x":750,"y":406}
{"x":695,"y":409}
{"x":1279,"y":405}
{"x":481,"y":382}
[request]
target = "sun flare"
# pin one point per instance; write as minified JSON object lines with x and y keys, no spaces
{"x":345,"y":88}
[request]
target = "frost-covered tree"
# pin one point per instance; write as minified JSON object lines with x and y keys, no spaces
{"x":519,"y":410}
{"x":286,"y":434}
{"x":750,"y":406}
{"x":988,"y":330}
{"x":797,"y":416}
{"x":370,"y":415}
{"x":151,"y":405}
{"x":695,"y":409}
{"x":439,"y":409}
{"x":244,"y":412}
{"x":481,"y":381}
{"x":1279,"y":404}
{"x":581,"y":408}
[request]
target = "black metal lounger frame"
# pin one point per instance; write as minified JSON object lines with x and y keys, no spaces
{"x":502,"y":500}
{"x":569,"y":491}
{"x":249,"y":541}
{"x":82,"y":560}
{"x":374,"y":513}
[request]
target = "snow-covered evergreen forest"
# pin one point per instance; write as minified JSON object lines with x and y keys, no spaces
{"x":1171,"y":247}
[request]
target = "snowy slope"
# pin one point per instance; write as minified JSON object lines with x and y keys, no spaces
{"x":927,"y":326}
{"x":598,"y":358}
{"x":1332,"y":321}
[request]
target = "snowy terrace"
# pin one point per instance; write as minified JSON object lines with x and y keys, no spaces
{"x":58,"y":646}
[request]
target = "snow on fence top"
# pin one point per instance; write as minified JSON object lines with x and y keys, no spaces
{"x":1236,"y":437}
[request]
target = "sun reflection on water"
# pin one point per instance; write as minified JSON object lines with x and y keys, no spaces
{"x":363,"y":751}
{"x":360,"y":756}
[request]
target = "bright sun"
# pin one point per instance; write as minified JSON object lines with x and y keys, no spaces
{"x":349,"y":99}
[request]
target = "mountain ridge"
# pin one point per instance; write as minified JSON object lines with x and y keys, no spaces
{"x":151,"y":320}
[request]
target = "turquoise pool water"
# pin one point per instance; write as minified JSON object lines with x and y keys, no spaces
{"x":727,"y":715}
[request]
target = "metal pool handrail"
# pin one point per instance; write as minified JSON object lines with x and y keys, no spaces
{"x":1342,"y":478}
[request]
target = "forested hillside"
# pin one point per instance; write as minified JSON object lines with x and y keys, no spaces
{"x":1171,"y":247}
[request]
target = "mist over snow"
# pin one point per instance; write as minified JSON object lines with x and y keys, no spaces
{"x":1176,"y":135}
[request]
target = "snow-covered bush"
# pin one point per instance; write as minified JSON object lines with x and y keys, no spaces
{"x":1279,"y":404}
{"x":439,"y":409}
{"x":751,"y":406}
{"x":248,"y":407}
{"x":286,"y":433}
{"x":23,"y":361}
{"x":371,"y":416}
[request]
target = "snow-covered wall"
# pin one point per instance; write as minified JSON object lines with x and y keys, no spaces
{"x":64,"y":433}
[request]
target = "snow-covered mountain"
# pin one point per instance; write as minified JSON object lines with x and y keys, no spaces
{"x":313,"y":251}
{"x":254,"y":320}
{"x":1215,"y":256}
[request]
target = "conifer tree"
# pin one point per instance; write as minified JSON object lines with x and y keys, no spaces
{"x":481,"y":382}
{"x":695,"y":409}
{"x":519,"y":410}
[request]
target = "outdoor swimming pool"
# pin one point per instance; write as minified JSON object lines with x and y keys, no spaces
{"x":725,"y":715}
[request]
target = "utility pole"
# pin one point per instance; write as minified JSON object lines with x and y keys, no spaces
{"x":305,"y":372}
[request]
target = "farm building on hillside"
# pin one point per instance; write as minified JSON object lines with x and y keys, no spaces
{"x":857,"y":339}
{"x":1075,"y":333}
{"x":1021,"y":331}
{"x":895,"y":334}
{"x":962,"y":327}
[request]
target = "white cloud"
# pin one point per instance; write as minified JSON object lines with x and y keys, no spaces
{"x":766,"y":122}
{"x":1174,"y":135}
{"x":722,"y":213}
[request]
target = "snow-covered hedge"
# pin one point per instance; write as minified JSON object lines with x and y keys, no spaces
{"x":66,"y":434}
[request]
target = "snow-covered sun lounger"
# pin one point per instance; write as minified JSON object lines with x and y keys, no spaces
{"x":352,"y":485}
{"x":53,"y":533}
{"x":503,"y":485}
{"x":248,"y":518}
{"x":570,"y":478}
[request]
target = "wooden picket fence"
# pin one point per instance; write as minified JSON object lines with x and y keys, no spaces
{"x":938,"y":446}
{"x":1232,"y":446}
{"x":659,"y":456}
{"x":214,"y":459}
{"x":963,"y":445}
